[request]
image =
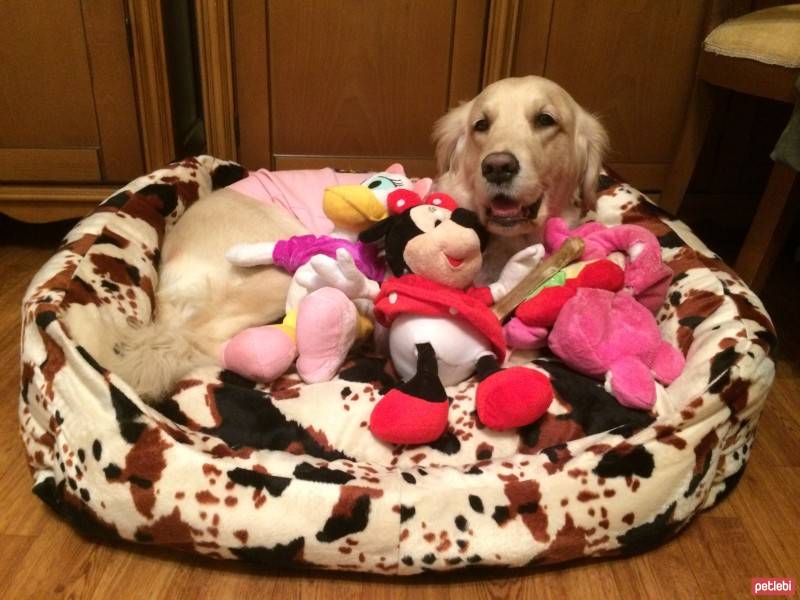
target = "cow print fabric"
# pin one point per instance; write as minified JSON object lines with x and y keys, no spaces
{"x":288,"y":474}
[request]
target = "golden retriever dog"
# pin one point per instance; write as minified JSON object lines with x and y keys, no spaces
{"x":521,"y":151}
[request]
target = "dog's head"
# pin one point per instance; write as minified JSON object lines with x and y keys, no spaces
{"x":521,"y":151}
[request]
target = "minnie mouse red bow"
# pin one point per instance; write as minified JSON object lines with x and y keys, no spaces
{"x":402,"y":200}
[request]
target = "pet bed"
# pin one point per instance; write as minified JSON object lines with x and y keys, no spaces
{"x":288,"y":474}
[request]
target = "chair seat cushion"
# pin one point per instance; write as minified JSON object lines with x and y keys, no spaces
{"x":770,"y":36}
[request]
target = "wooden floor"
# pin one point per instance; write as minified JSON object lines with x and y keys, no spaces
{"x":755,"y":532}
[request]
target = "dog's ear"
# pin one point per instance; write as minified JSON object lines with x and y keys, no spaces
{"x":591,"y":146}
{"x":449,"y":135}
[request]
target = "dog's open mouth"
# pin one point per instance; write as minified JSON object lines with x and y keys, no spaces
{"x":507,"y":211}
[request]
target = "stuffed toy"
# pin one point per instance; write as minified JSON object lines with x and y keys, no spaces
{"x":597,"y":317}
{"x":440,"y":329}
{"x":319,"y":327}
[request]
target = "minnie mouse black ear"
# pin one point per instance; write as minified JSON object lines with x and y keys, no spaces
{"x":378,"y":231}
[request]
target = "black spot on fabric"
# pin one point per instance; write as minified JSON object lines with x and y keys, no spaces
{"x":249,"y":418}
{"x":635,"y":460}
{"x":141,"y":482}
{"x":679,"y":276}
{"x":447,"y":443}
{"x":475,"y":558}
{"x":90,"y":359}
{"x":484,"y":454}
{"x":648,"y":536}
{"x":593,"y":409}
{"x":309,"y":472}
{"x":422,"y":471}
{"x":109,"y":285}
{"x":462,"y":543}
{"x":691,"y":322}
{"x":338,"y":526}
{"x":649,"y":208}
{"x":279,"y":555}
{"x":429,"y":558}
{"x":729,"y":484}
{"x":78,"y":514}
{"x":85,"y":496}
{"x":529,"y":507}
{"x":112,"y":471}
{"x":551,"y":452}
{"x":675,"y":298}
{"x":127,"y":413}
{"x":720,"y":368}
{"x":456,"y":560}
{"x":372,"y":370}
{"x":670,"y":240}
{"x":273,"y":484}
{"x":407,"y":561}
{"x":461,"y":523}
{"x":476,"y":503}
{"x":770,"y":339}
{"x":59,"y":419}
{"x":225,"y":175}
{"x":166,"y":197}
{"x":97,"y":449}
{"x":408,"y":477}
{"x":81,"y":455}
{"x":501,"y":514}
{"x":117,"y":200}
{"x":474,"y":470}
{"x":44,"y":318}
{"x":605,"y":182}
{"x":133,"y":273}
{"x":406,"y":512}
{"x":346,"y":391}
{"x":698,"y":477}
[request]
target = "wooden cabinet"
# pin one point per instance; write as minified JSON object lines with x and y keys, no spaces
{"x":88,"y":95}
{"x":342,"y":83}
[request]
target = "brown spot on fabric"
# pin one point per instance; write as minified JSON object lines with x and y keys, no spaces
{"x":144,"y":464}
{"x":569,"y":542}
{"x":231,"y":500}
{"x":666,"y":435}
{"x":628,"y":518}
{"x":209,"y":469}
{"x":169,"y":530}
{"x":524,"y":498}
{"x":586,"y":496}
{"x":206,"y":497}
{"x":241,"y":535}
{"x":735,"y":395}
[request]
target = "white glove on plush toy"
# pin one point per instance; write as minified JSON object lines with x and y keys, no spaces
{"x":518,"y":266}
{"x":341,"y":273}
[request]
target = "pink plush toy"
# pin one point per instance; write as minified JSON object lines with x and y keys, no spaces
{"x":610,"y":335}
{"x":600,"y":322}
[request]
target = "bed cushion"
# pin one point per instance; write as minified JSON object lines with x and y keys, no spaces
{"x":288,"y":473}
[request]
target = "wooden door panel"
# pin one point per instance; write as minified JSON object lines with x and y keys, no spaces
{"x":46,"y":94}
{"x":630,"y":62}
{"x":351,"y":81}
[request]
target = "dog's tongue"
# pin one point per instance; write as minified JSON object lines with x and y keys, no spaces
{"x":503,"y":206}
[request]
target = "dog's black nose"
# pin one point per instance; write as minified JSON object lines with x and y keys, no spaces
{"x":500,"y":167}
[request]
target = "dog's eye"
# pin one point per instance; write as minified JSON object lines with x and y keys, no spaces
{"x":544,"y":120}
{"x":481,"y":125}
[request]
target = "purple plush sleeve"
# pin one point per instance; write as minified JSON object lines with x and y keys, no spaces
{"x":293,"y":253}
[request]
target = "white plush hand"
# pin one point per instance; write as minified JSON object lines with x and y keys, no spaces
{"x":251,"y":255}
{"x":341,"y":273}
{"x":517,"y":267}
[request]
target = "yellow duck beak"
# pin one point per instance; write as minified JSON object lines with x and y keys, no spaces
{"x":352,"y":207}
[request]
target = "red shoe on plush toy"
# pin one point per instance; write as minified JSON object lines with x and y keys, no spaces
{"x":441,"y":330}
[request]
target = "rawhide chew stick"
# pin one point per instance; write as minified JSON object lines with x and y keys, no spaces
{"x":569,"y":252}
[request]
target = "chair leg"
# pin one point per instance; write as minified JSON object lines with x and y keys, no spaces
{"x":691,"y":143}
{"x":772,"y":222}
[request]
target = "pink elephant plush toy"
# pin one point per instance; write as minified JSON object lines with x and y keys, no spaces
{"x":611,"y":335}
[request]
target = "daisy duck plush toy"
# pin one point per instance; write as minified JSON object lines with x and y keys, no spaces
{"x":440,"y":328}
{"x":321,"y":323}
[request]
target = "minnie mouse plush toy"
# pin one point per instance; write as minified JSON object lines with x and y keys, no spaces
{"x":441,"y":330}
